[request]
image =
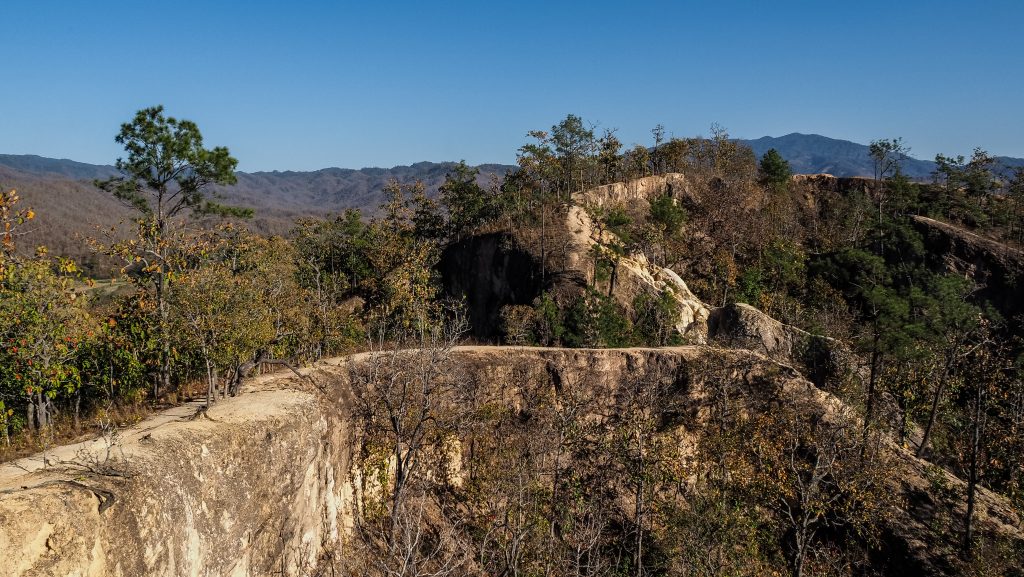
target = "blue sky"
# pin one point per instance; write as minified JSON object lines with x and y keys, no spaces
{"x":307,"y":85}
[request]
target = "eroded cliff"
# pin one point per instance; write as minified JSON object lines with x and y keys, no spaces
{"x":252,"y":486}
{"x":268,"y":483}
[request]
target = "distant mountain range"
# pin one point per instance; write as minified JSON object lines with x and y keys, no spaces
{"x":815,"y":154}
{"x":280,"y":192}
{"x":70,"y":207}
{"x":343,"y":187}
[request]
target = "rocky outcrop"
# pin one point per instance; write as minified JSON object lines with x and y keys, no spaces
{"x":639,"y":190}
{"x":263,"y":483}
{"x":739,"y":325}
{"x":635,"y":275}
{"x":996,"y":268}
{"x":493,"y":270}
{"x":254,"y":485}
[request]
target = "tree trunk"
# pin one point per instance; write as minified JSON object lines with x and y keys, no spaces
{"x":161,"y":298}
{"x":78,"y":406}
{"x":245,"y":369}
{"x":934,"y":411}
{"x":224,"y":384}
{"x":802,"y":535}
{"x":30,"y":414}
{"x":555,"y":480}
{"x":869,"y":404}
{"x":639,"y":509}
{"x":543,"y":244}
{"x":869,"y":409}
{"x":972,"y":475}
{"x":614,"y":277}
{"x":396,"y":495}
{"x":798,"y":561}
{"x":210,"y":388}
{"x":164,"y":375}
{"x":42,"y":414}
{"x":904,"y":420}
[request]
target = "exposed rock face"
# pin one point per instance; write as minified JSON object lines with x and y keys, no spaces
{"x":266,"y":481}
{"x":742,"y":326}
{"x":256,"y":485}
{"x":635,"y":275}
{"x":998,"y":269}
{"x":490,"y":271}
{"x":638,"y":190}
{"x":51,"y":530}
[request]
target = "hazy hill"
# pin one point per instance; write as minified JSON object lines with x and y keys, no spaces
{"x":277,"y":193}
{"x":67,"y":210}
{"x":335,"y":189}
{"x":70,"y":207}
{"x":42,"y":166}
{"x":813,"y":154}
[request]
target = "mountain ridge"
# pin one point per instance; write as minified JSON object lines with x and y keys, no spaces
{"x":43,"y":165}
{"x":806,"y":154}
{"x":816,"y":154}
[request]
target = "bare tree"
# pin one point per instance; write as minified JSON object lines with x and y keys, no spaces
{"x":406,"y":390}
{"x":821,"y":473}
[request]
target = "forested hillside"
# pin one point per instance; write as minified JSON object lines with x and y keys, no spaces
{"x":816,"y":154}
{"x":71,"y":208}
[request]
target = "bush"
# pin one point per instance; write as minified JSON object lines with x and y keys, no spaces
{"x":517,"y":324}
{"x":656,"y":319}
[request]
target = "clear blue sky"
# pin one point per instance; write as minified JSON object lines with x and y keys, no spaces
{"x":306,"y":85}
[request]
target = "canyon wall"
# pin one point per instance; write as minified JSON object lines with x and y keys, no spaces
{"x":253,"y":486}
{"x":267,"y":483}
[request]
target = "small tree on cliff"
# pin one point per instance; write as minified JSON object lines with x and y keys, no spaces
{"x":406,"y":392}
{"x":45,"y":320}
{"x":467,"y":203}
{"x":574,"y":145}
{"x":668,"y":218}
{"x":167,"y":174}
{"x":888,"y":157}
{"x":774,"y":171}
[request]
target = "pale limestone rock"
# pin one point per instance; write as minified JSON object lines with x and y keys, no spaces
{"x":635,"y":273}
{"x":636,"y":191}
{"x":280,"y":465}
{"x":199,"y":499}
